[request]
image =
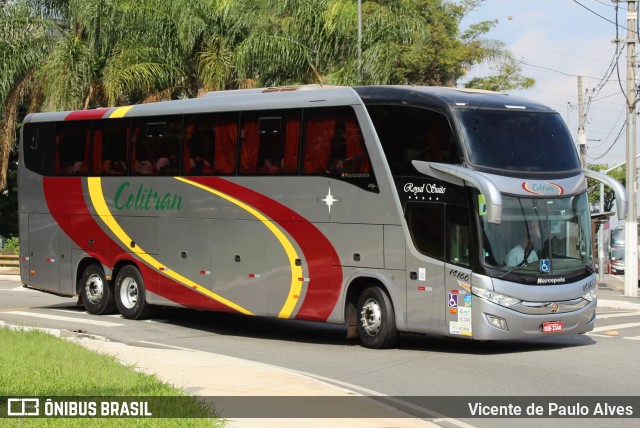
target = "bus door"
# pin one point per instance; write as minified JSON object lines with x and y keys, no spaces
{"x":425,"y":270}
{"x":44,"y":260}
{"x":457,"y":275}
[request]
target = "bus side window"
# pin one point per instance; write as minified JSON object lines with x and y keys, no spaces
{"x":38,"y":144}
{"x":426,"y":222}
{"x":411,"y":133}
{"x":110,"y":147}
{"x":210,"y":144}
{"x":333,"y":146}
{"x":270,"y":142}
{"x":156,"y":146}
{"x":458,"y":235}
{"x":72,"y":148}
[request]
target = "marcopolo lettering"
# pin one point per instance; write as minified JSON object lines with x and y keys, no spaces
{"x":424,"y":188}
{"x":146,"y":198}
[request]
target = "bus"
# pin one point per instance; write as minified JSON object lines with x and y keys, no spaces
{"x":386,"y":209}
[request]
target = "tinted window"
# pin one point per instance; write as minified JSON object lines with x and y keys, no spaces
{"x":37,"y":140}
{"x":411,"y":133}
{"x":518,"y":141}
{"x":156,"y":145}
{"x":110,"y":147}
{"x":333,"y":146}
{"x":458,"y":235}
{"x":210,"y":144}
{"x":427,"y":227}
{"x":269,"y":142}
{"x":72,"y":148}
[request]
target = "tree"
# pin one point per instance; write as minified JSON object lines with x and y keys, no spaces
{"x":619,"y":174}
{"x":9,"y":199}
{"x":77,"y":54}
{"x":507,"y":78}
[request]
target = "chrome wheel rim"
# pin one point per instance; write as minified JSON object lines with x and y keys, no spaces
{"x":371,"y":317}
{"x":129,"y":293}
{"x":94,"y":288}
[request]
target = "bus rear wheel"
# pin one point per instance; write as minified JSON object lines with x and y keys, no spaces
{"x":95,"y":292}
{"x":376,"y":319}
{"x":130,"y":294}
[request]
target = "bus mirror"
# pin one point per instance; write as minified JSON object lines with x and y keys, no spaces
{"x":620,"y":191}
{"x":457,"y":175}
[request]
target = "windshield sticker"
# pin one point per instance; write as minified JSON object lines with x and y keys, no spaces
{"x":482,"y":205}
{"x":545,"y":266}
{"x":543,"y":188}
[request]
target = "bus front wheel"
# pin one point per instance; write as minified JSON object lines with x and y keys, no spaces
{"x":95,"y":291}
{"x":130,"y":294}
{"x":376,"y":319}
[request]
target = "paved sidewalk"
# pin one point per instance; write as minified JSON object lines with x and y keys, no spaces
{"x":211,"y":375}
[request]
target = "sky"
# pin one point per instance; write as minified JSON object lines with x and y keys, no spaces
{"x":558,"y":40}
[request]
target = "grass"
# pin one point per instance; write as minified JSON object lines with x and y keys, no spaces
{"x":37,"y":364}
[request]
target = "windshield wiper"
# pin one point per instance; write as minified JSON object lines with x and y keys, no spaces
{"x":512,"y":270}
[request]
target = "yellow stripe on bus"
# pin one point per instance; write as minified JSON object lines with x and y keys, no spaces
{"x":120,"y":112}
{"x":100,"y":205}
{"x":296,"y":271}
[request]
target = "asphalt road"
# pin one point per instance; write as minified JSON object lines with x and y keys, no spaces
{"x":604,"y":363}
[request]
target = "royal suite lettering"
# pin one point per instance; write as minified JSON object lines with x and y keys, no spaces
{"x":146,"y":198}
{"x":550,"y":409}
{"x":424,"y":188}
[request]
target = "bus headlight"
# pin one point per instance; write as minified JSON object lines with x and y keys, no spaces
{"x":493,"y":297}
{"x":590,"y":295}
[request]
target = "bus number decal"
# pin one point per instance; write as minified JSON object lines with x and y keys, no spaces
{"x":463,"y":276}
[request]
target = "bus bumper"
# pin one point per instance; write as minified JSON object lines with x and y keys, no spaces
{"x":487,"y":316}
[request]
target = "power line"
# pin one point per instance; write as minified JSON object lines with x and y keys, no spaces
{"x":611,"y":146}
{"x":597,"y":14}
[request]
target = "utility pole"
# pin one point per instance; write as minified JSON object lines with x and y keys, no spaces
{"x":631,"y":223}
{"x":582,"y":136}
{"x":359,"y":42}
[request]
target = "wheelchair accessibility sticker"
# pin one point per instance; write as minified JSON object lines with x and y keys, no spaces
{"x":545,"y":265}
{"x":453,"y":300}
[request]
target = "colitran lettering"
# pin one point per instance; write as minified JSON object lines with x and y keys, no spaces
{"x":146,"y":198}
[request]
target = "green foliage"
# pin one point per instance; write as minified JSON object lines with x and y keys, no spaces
{"x":73,"y":54}
{"x":507,"y":78}
{"x":9,"y":199}
{"x":11,"y":246}
{"x":38,"y":364}
{"x":619,"y":174}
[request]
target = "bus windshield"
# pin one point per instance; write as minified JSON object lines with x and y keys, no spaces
{"x":536,"y":142}
{"x":548,"y":236}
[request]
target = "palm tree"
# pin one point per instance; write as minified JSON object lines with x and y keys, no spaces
{"x":74,"y":54}
{"x":25,"y":40}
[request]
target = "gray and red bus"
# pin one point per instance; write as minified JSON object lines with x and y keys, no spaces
{"x":387,"y":209}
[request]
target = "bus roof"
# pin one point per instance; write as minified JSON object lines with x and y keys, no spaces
{"x":446,"y":98}
{"x":441,"y":98}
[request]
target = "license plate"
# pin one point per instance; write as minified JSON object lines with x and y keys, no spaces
{"x":551,"y":326}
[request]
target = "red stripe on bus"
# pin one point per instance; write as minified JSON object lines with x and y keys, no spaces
{"x":67,"y":205}
{"x":323,"y":263}
{"x":87,"y":114}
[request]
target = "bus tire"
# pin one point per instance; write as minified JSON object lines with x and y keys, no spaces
{"x":130,"y":294}
{"x":376,"y":319}
{"x":95,"y":291}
